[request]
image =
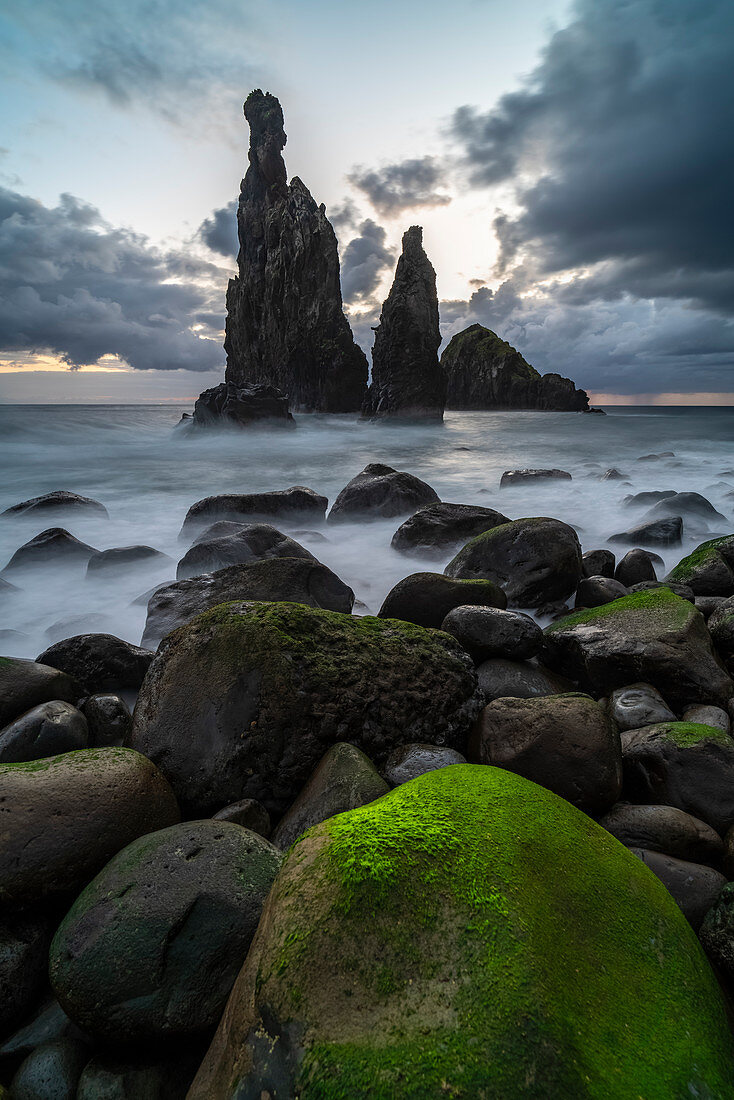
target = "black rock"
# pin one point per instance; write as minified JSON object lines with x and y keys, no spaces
{"x":25,"y":684}
{"x":407,"y":380}
{"x":54,"y":546}
{"x":693,"y":886}
{"x":427,"y":598}
{"x":249,"y":813}
{"x":656,"y":457}
{"x":436,"y":528}
{"x":108,"y":718}
{"x":638,"y":500}
{"x":296,"y":503}
{"x":688,"y":505}
{"x":409,"y":761}
{"x":665,"y":829}
{"x":24,"y":940}
{"x":612,"y":475}
{"x":681,"y":590}
{"x":46,"y":730}
{"x":518,"y":477}
{"x":659,"y":532}
{"x":379,"y":492}
{"x":285,"y":324}
{"x":635,"y":567}
{"x":59,"y":501}
{"x":296,"y":580}
{"x":51,"y":1070}
{"x":499,"y":678}
{"x":100,"y":662}
{"x":486,"y":632}
{"x":595,"y":591}
{"x":706,"y":715}
{"x":708,"y":604}
{"x":233,"y":406}
{"x":47,"y":1023}
{"x":637,"y":705}
{"x":598,"y":563}
{"x":717,"y":931}
{"x":721,"y":627}
{"x":253,"y":542}
{"x":124,"y":557}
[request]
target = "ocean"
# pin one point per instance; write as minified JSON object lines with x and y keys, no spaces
{"x":147,"y":475}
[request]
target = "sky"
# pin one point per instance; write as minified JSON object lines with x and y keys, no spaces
{"x":570,"y":161}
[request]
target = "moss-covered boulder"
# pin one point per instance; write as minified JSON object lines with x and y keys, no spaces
{"x":721,"y":628}
{"x":534,"y":560}
{"x":652,"y":636}
{"x":470,"y":935}
{"x":243,"y":701}
{"x":683,"y":764}
{"x":709,"y":569}
{"x":152,"y":946}
{"x":65,"y":816}
{"x":427,"y":598}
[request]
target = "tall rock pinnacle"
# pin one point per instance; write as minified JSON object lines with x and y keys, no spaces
{"x":285,"y":322}
{"x":407,"y":380}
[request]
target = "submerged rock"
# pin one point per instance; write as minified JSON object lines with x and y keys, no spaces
{"x":285,"y":323}
{"x":403,"y":953}
{"x":427,"y":598}
{"x":407,"y":380}
{"x":58,"y":501}
{"x":296,"y":503}
{"x":436,"y":528}
{"x":54,"y":546}
{"x":252,"y":542}
{"x":518,"y":477}
{"x":233,"y":406}
{"x":125,"y":557}
{"x":379,"y":492}
{"x":485,"y":372}
{"x":658,"y":532}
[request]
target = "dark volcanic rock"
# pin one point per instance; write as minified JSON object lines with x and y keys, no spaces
{"x":598,"y":563}
{"x":124,"y":557}
{"x":243,"y":702}
{"x":108,"y":718}
{"x":681,"y":590}
{"x":635,"y":567}
{"x":533,"y":560}
{"x":595,"y":591}
{"x":293,"y":579}
{"x":409,"y":761}
{"x":24,"y":941}
{"x":709,"y":569}
{"x":499,"y":678}
{"x":717,"y":931}
{"x":58,"y":501}
{"x":691,"y":506}
{"x":407,"y":380}
{"x":285,"y":323}
{"x":518,"y":477}
{"x":665,"y":829}
{"x":693,"y":886}
{"x":230,"y":405}
{"x":637,"y":500}
{"x":488,"y":632}
{"x":721,"y":627}
{"x":100,"y":662}
{"x":249,"y":813}
{"x":46,"y":730}
{"x":296,"y":503}
{"x":55,"y":546}
{"x":253,"y":542}
{"x":25,"y":684}
{"x":427,"y":598}
{"x":485,"y":372}
{"x":436,"y":528}
{"x":658,"y":532}
{"x":51,"y":1070}
{"x":637,"y":705}
{"x":379,"y":492}
{"x":176,"y":910}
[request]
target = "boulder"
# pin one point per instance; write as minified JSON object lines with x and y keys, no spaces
{"x":682,"y":764}
{"x":635,"y":567}
{"x":707,"y":716}
{"x":55,"y":547}
{"x":423,"y":944}
{"x":108,"y":718}
{"x":47,"y":1023}
{"x":58,"y":501}
{"x":644,"y":500}
{"x":637,"y":705}
{"x":427,"y":598}
{"x":409,"y":761}
{"x":721,"y":628}
{"x":343,"y":779}
{"x":532,"y":560}
{"x":243,"y":701}
{"x":565,"y":743}
{"x":249,"y":813}
{"x":717,"y":931}
{"x":294,"y":579}
{"x":691,"y":506}
{"x":296,"y":504}
{"x":254,"y":542}
{"x":499,"y":677}
{"x":486,"y":632}
{"x":231,"y":406}
{"x":653,"y":637}
{"x":519,"y":477}
{"x":25,"y":684}
{"x":658,"y":532}
{"x":709,"y":569}
{"x":285,"y":323}
{"x":598,"y":563}
{"x":438,"y":528}
{"x":101,"y":662}
{"x":380,"y":492}
{"x":24,"y":941}
{"x":152,"y":946}
{"x":66,"y":816}
{"x":706,"y":604}
{"x":119,"y":558}
{"x":407,"y":380}
{"x":51,"y":1070}
{"x":681,"y":590}
{"x":665,"y":829}
{"x":693,"y":887}
{"x":45,"y":730}
{"x":108,"y":1078}
{"x":596,"y":591}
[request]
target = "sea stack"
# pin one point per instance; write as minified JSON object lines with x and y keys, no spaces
{"x":407,"y":379}
{"x":285,"y":323}
{"x":485,"y":372}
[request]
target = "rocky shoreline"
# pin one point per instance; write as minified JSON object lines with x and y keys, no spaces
{"x":481,"y":838}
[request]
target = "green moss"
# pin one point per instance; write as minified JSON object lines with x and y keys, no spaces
{"x":647,"y":602}
{"x":546,"y":961}
{"x":688,"y":734}
{"x":79,"y":759}
{"x":687,"y":567}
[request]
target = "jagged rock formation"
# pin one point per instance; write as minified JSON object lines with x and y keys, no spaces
{"x":407,"y":380}
{"x":285,"y":323}
{"x":485,"y":372}
{"x":241,"y":406}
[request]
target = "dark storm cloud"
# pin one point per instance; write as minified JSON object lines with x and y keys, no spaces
{"x":364,"y":261}
{"x":74,"y":286}
{"x":400,"y":186}
{"x":621,"y":144}
{"x":219,"y":231}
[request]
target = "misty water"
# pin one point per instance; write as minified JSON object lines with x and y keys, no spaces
{"x":132,"y":460}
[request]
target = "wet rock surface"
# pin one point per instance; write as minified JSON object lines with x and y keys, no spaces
{"x":253,"y":542}
{"x":58,"y":501}
{"x":379,"y":492}
{"x":437,"y":528}
{"x":45,"y":730}
{"x":100,"y":662}
{"x":54,"y":546}
{"x":665,"y":829}
{"x":409,"y":761}
{"x":230,"y":405}
{"x":486,"y":632}
{"x":26,"y":684}
{"x":427,"y":598}
{"x":297,"y":503}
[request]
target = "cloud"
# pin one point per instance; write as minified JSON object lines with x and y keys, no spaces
{"x":76,"y":287}
{"x":219,"y":231}
{"x":393,"y":188}
{"x":364,"y":261}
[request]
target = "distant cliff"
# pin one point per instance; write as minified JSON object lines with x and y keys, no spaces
{"x":285,"y":323}
{"x":484,"y":372}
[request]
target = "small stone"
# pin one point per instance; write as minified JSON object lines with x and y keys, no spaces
{"x":639,"y":705}
{"x":517,"y":477}
{"x":707,"y":716}
{"x":409,"y":761}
